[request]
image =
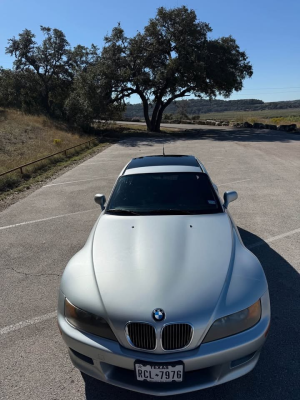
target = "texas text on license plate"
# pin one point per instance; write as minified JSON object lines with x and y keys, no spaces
{"x":155,"y":372}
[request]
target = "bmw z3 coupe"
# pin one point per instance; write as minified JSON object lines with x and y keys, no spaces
{"x":164,"y":298}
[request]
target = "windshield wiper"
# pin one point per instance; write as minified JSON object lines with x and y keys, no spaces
{"x":121,"y":211}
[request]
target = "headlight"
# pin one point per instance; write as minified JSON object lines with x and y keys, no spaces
{"x":85,"y":321}
{"x":234,"y":323}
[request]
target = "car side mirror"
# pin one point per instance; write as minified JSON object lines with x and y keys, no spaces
{"x":229,"y":197}
{"x":100,"y":199}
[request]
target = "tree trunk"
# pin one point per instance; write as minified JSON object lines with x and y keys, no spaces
{"x":159,"y":118}
{"x":153,"y":124}
{"x":46,"y":101}
{"x":146,"y":111}
{"x":154,"y":115}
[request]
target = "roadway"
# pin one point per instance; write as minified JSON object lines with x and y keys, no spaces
{"x":40,"y":233}
{"x":176,"y":126}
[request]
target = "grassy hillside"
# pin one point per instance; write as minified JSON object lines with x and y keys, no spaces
{"x":25,"y":138}
{"x":276,"y":117}
{"x":289,"y":114}
{"x":201,"y":107}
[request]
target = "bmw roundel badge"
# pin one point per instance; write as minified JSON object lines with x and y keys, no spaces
{"x":158,"y":314}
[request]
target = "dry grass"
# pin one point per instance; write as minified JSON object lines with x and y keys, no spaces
{"x":277,"y":117}
{"x":14,"y":183}
{"x":25,"y":138}
{"x":274,"y":121}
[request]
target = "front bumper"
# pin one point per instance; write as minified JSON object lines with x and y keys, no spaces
{"x":208,"y":365}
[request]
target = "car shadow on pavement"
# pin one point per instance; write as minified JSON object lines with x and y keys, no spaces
{"x":276,"y":376}
{"x":231,"y":135}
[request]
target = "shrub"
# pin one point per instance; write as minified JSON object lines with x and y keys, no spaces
{"x":167,"y":117}
{"x":277,"y":121}
{"x":79,"y":111}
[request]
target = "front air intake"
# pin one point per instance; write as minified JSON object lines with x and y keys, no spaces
{"x":176,"y":336}
{"x":141,"y":335}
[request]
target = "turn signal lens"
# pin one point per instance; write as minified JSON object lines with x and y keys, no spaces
{"x":234,"y":323}
{"x":87,"y":322}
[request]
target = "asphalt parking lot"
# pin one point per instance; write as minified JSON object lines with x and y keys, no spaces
{"x":41,"y":232}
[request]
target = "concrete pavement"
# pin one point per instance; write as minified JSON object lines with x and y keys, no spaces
{"x":41,"y":232}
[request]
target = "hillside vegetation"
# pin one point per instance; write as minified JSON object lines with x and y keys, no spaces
{"x":290,"y":115}
{"x":276,"y":117}
{"x":196,"y":107}
{"x":26,"y":138}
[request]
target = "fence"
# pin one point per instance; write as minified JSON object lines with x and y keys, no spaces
{"x":45,"y":158}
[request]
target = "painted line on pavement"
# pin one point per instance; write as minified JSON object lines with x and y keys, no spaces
{"x":47,"y":219}
{"x":230,"y":183}
{"x":64,"y":183}
{"x":95,"y":163}
{"x":45,"y":317}
{"x":27,"y":322}
{"x":81,"y":180}
{"x":272,"y":239}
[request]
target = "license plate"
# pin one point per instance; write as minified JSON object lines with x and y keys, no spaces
{"x":154,"y":372}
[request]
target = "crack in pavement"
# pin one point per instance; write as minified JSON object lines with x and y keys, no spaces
{"x":31,"y":273}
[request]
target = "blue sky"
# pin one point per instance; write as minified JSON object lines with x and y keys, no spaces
{"x":267,"y":30}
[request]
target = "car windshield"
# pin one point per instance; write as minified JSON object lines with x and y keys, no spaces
{"x":164,"y":193}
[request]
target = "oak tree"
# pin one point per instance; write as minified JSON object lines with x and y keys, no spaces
{"x":173,"y":57}
{"x":50,"y":61}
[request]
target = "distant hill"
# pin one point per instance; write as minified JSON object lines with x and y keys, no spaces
{"x":199,"y":106}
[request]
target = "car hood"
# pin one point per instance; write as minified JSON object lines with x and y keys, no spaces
{"x":177,"y":263}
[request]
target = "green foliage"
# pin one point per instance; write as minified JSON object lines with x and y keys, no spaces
{"x":54,"y":79}
{"x":49,"y":62}
{"x":20,"y":89}
{"x":167,"y":117}
{"x":82,"y":57}
{"x":171,"y":58}
{"x":196,"y":117}
{"x":79,"y":110}
{"x":89,"y":100}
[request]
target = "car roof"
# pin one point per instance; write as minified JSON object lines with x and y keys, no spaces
{"x":163,"y":164}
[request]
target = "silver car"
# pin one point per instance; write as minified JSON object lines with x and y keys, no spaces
{"x":164,"y":298}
